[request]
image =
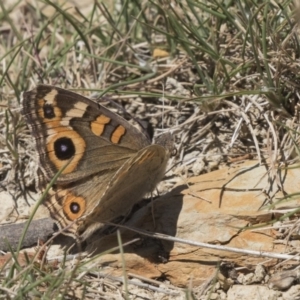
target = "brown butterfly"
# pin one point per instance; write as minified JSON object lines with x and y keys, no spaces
{"x":109,"y":164}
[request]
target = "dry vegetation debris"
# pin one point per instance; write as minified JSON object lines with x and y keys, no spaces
{"x":222,"y":76}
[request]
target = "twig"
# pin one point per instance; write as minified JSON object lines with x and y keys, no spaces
{"x":210,"y":246}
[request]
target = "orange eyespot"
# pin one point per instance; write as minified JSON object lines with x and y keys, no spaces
{"x":65,"y":145}
{"x":74,"y":206}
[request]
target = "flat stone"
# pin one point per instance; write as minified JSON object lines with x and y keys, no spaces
{"x":214,"y":209}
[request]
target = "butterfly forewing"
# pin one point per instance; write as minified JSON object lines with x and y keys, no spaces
{"x":71,"y":129}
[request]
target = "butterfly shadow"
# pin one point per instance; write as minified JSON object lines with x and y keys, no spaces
{"x":159,"y":216}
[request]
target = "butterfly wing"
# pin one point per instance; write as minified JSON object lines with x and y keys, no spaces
{"x":71,"y":129}
{"x":113,"y":192}
{"x":110,"y":165}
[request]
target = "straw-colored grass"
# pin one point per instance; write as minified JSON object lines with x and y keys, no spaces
{"x":221,"y":75}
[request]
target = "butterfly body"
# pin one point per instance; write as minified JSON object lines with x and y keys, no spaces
{"x":107,"y":164}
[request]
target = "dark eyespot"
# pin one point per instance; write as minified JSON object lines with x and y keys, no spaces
{"x":48,"y":111}
{"x":64,"y":148}
{"x":74,"y":207}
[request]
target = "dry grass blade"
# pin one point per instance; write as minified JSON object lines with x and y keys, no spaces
{"x":223,"y":76}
